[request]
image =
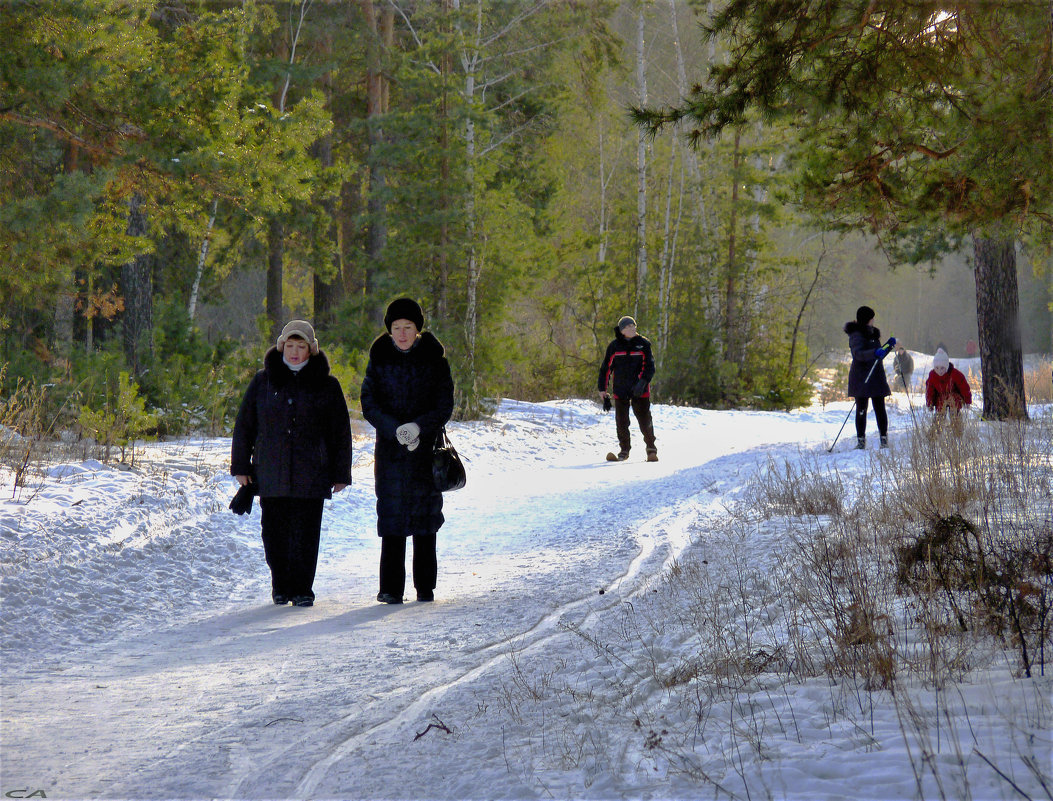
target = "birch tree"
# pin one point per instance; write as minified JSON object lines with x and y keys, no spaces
{"x":275,"y":230}
{"x":493,"y":111}
{"x":641,"y":167}
{"x":379,"y":38}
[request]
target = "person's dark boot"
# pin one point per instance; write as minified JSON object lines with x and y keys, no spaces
{"x":279,"y":599}
{"x":861,"y":443}
{"x":620,"y":456}
{"x":652,"y":454}
{"x":388,"y":598}
{"x":884,"y":441}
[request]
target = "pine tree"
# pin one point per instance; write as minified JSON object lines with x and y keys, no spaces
{"x":928,"y":123}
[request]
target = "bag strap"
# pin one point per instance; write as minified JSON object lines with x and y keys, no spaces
{"x":443,"y":438}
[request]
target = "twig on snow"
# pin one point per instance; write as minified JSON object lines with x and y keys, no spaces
{"x":438,"y":724}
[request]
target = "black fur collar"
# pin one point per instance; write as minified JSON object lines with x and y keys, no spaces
{"x":853,"y":327}
{"x":278,"y":372}
{"x":383,"y":349}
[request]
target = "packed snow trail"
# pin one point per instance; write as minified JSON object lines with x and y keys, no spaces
{"x":240,"y":699}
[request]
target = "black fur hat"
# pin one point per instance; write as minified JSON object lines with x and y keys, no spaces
{"x":404,"y":309}
{"x":864,"y":314}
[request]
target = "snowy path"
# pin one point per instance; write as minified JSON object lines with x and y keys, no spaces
{"x":239,"y":699}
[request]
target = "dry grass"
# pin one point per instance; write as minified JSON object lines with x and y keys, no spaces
{"x":891,"y":588}
{"x":28,"y":441}
{"x":1038,"y":383}
{"x":833,"y":383}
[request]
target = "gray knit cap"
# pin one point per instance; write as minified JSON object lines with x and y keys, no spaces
{"x":298,"y":328}
{"x":626,"y":320}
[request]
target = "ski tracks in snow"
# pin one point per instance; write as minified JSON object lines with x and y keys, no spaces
{"x":663,"y":525}
{"x":267,"y":702}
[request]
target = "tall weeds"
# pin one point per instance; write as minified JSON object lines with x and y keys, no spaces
{"x":22,"y":427}
{"x":834,"y":603}
{"x":29,"y":442}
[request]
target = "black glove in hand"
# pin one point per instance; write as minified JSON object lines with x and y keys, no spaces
{"x":606,"y":403}
{"x":241,"y":503}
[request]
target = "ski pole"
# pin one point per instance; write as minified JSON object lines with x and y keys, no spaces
{"x":865,"y":381}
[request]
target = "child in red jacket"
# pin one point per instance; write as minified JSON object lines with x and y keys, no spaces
{"x":946,"y":386}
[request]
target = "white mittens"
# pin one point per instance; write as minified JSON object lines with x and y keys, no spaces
{"x":408,"y":434}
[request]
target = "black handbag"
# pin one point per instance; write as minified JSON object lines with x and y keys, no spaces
{"x":447,"y":470}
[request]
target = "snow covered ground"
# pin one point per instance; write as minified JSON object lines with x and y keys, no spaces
{"x":142,"y":658}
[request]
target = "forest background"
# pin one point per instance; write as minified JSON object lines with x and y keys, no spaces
{"x":179,"y":178}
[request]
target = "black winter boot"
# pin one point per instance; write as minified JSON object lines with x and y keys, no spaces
{"x":861,"y":443}
{"x":884,"y":441}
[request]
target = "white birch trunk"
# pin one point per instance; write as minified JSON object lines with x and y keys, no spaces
{"x":669,"y":242}
{"x":304,"y":6}
{"x":641,"y":171}
{"x":692,"y":155}
{"x":602,"y":255}
{"x":470,"y":63}
{"x":201,"y":256}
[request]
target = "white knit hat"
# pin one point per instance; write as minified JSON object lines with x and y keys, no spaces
{"x":298,"y":328}
{"x":941,"y":359}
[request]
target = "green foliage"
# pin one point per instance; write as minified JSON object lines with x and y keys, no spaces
{"x":349,"y":368}
{"x":497,"y":141}
{"x":909,"y":116}
{"x":122,"y":420}
{"x":194,"y":385}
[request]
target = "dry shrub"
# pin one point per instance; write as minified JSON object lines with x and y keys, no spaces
{"x":840,"y":580}
{"x":953,"y":534}
{"x":832,"y":384}
{"x":28,"y":442}
{"x":1038,"y":383}
{"x":977,"y":532}
{"x":22,"y":427}
{"x":797,"y":491}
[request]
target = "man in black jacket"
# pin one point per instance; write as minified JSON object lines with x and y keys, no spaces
{"x":628,"y":367}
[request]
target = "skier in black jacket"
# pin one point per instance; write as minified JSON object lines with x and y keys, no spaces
{"x":865,"y":382}
{"x":628,"y":367}
{"x":292,"y":438}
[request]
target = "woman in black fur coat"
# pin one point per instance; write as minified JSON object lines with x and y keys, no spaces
{"x":865,"y":341}
{"x":407,"y":395}
{"x":293,"y":435}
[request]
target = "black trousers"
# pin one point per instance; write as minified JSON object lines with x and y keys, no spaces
{"x":879,"y":414}
{"x":642,"y":409}
{"x":291,"y":530}
{"x":393,"y":564}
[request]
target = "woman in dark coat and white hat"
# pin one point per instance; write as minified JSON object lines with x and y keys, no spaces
{"x":865,"y":342}
{"x":293,"y":437}
{"x":407,"y":395}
